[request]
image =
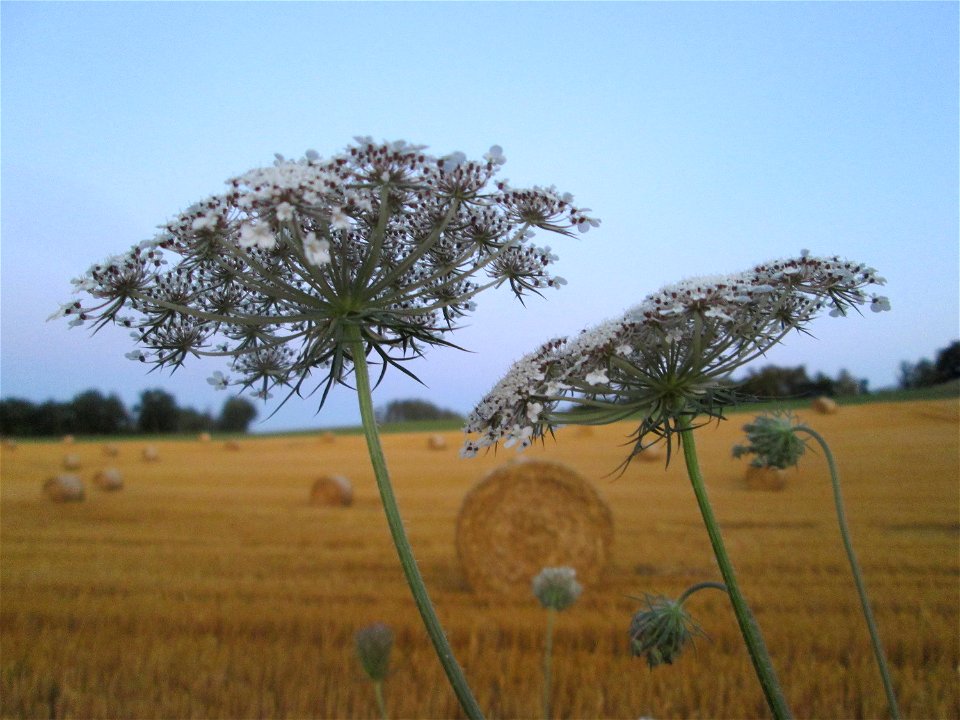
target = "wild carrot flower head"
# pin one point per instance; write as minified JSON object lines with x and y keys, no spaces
{"x":374,"y":643}
{"x":666,"y":359}
{"x":773,"y":441}
{"x":270,"y":274}
{"x":557,"y":587}
{"x":660,"y":631}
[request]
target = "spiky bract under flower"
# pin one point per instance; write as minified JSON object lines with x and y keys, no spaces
{"x":773,"y":440}
{"x":661,"y":630}
{"x":269,"y":274}
{"x":666,"y":360}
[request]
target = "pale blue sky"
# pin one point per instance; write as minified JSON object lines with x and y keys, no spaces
{"x":707,"y":136}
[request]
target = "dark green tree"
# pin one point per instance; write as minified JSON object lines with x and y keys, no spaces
{"x":948,"y":362}
{"x":95,"y":414}
{"x":191,"y":421}
{"x":236,"y":415}
{"x":407,"y":410}
{"x":157,"y":412}
{"x":17,"y":417}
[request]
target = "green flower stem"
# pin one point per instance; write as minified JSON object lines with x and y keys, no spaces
{"x":748,"y":626}
{"x":407,"y":561}
{"x":548,"y":663}
{"x":857,"y":575}
{"x":700,"y":586}
{"x":378,"y":691}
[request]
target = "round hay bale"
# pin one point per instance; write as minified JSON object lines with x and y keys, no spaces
{"x":437,"y":442}
{"x":109,"y":479}
{"x":204,"y":437}
{"x":68,"y":439}
{"x":64,"y":488}
{"x":824,"y":405}
{"x":71,"y":462}
{"x":334,"y":490}
{"x":231,"y":445}
{"x":584,"y":431}
{"x":111,"y":450}
{"x":150,"y":454}
{"x":765,"y":478}
{"x":9,"y":444}
{"x":328,"y":438}
{"x":528,"y":515}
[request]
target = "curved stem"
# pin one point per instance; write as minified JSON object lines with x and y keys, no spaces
{"x":700,"y":586}
{"x":404,"y":551}
{"x":548,"y":663}
{"x":748,"y":626}
{"x":857,"y":575}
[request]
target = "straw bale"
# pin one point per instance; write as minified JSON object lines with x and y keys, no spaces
{"x":9,"y":444}
{"x":824,"y":405}
{"x":765,"y":478}
{"x":71,"y":462}
{"x":333,"y":490}
{"x":528,"y":515}
{"x":204,"y":437}
{"x":109,"y":479}
{"x":150,"y":454}
{"x":68,"y":439}
{"x":328,"y":438}
{"x":64,"y":488}
{"x":111,"y":450}
{"x":437,"y":442}
{"x":231,"y":445}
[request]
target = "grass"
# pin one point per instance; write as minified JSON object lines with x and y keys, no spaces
{"x":210,"y":588}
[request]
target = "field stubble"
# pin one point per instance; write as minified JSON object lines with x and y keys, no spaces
{"x":210,"y":587}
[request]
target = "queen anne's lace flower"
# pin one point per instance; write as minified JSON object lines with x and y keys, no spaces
{"x":666,"y":359}
{"x":382,"y":237}
{"x":556,"y":587}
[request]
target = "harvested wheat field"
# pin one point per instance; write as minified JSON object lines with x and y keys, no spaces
{"x":211,"y":587}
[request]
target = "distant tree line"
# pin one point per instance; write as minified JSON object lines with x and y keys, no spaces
{"x":406,"y":410}
{"x":772,"y":381}
{"x":92,"y":413}
{"x":925,"y":373}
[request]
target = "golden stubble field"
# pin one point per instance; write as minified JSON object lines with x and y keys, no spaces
{"x":210,"y":588}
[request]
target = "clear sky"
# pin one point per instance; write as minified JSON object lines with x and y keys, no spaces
{"x":707,"y":137}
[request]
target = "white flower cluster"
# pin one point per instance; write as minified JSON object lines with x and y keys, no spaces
{"x":383,"y":237}
{"x":556,"y":587}
{"x":665,"y":356}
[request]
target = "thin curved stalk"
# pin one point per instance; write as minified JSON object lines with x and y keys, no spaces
{"x":708,"y":585}
{"x":857,"y":575}
{"x":398,"y":533}
{"x":748,"y":626}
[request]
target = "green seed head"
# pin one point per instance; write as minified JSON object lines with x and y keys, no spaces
{"x":374,"y":643}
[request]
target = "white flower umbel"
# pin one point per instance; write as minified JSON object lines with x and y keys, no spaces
{"x":303,"y":269}
{"x":383,"y":237}
{"x":665,"y":360}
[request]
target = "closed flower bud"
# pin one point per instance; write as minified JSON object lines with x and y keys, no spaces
{"x":660,"y":631}
{"x":374,"y":643}
{"x":774,"y":441}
